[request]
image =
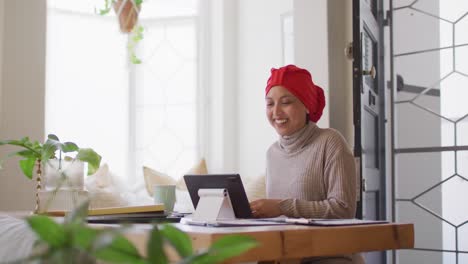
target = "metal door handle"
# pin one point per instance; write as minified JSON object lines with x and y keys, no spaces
{"x":372,"y":72}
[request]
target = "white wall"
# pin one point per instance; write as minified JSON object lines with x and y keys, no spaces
{"x":2,"y":27}
{"x":312,"y":45}
{"x":23,"y":81}
{"x":218,"y":63}
{"x":259,"y":49}
{"x":340,"y":78}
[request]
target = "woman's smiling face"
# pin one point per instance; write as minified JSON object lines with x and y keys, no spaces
{"x":285,"y":112}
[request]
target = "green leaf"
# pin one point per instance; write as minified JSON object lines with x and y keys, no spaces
{"x":134,"y":59}
{"x":53,"y":137}
{"x":48,"y":230}
{"x":137,"y":36}
{"x":90,"y":156}
{"x":119,"y":250}
{"x":27,"y":154}
{"x":106,"y":9}
{"x":227,"y":247}
{"x":20,"y":153}
{"x":48,"y":150}
{"x":155,"y":248}
{"x":52,"y":144}
{"x":27,"y":166}
{"x":69,"y":147}
{"x":140,"y":29}
{"x":103,"y":11}
{"x":22,"y":142}
{"x":178,"y":239}
{"x":83,"y":236}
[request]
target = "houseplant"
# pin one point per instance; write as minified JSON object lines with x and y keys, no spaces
{"x":36,"y":155}
{"x":127,"y":12}
{"x":73,"y":241}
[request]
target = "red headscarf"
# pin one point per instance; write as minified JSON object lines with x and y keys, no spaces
{"x":299,"y":82}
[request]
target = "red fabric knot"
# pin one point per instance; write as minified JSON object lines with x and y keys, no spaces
{"x":299,"y":82}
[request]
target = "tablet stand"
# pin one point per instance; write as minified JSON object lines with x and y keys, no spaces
{"x":214,"y":204}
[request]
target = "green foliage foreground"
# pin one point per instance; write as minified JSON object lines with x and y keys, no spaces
{"x":73,"y":241}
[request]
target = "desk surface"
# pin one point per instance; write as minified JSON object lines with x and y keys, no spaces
{"x":298,"y":241}
{"x":286,"y":242}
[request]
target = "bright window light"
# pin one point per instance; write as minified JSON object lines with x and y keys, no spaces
{"x":133,"y":115}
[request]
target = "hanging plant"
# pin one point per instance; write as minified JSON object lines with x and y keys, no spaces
{"x":127,"y":12}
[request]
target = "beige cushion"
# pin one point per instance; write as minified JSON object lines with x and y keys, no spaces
{"x":197,"y":169}
{"x":153,"y":177}
{"x":254,"y":186}
{"x":183,"y":202}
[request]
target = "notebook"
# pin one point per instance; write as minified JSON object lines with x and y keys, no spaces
{"x":229,"y":222}
{"x":324,"y":222}
{"x":116,"y":210}
{"x":127,"y":210}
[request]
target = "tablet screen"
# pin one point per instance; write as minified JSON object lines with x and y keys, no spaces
{"x":231,"y":182}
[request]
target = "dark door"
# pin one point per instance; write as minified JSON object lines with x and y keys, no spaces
{"x":369,"y":111}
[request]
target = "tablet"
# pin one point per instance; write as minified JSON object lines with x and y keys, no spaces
{"x":231,"y":182}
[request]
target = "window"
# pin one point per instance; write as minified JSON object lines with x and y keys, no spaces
{"x":133,"y":115}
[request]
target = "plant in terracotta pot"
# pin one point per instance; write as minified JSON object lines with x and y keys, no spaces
{"x":127,"y":12}
{"x":53,"y":156}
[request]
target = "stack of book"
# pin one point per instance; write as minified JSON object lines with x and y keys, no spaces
{"x":127,"y":214}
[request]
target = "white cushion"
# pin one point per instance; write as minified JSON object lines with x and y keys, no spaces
{"x":104,"y":190}
{"x":16,"y":238}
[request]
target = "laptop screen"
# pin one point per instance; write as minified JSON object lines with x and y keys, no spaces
{"x":231,"y":182}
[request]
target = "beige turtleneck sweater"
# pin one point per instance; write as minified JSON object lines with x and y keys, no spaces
{"x":313,"y":172}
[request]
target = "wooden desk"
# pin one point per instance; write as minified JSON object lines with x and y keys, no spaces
{"x":288,"y":242}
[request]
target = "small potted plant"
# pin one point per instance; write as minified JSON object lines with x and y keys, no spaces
{"x":127,"y":12}
{"x":53,"y":155}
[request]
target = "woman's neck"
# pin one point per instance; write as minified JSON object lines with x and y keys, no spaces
{"x":298,"y":139}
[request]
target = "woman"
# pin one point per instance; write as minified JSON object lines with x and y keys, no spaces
{"x":310,"y":171}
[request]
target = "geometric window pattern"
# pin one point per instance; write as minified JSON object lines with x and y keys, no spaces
{"x":430,"y":146}
{"x":166,"y":96}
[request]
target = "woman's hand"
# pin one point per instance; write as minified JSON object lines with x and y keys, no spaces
{"x":265,"y":208}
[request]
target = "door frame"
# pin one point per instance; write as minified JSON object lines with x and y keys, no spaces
{"x":357,"y":105}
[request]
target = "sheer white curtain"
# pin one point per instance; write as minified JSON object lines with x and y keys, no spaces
{"x":133,"y":115}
